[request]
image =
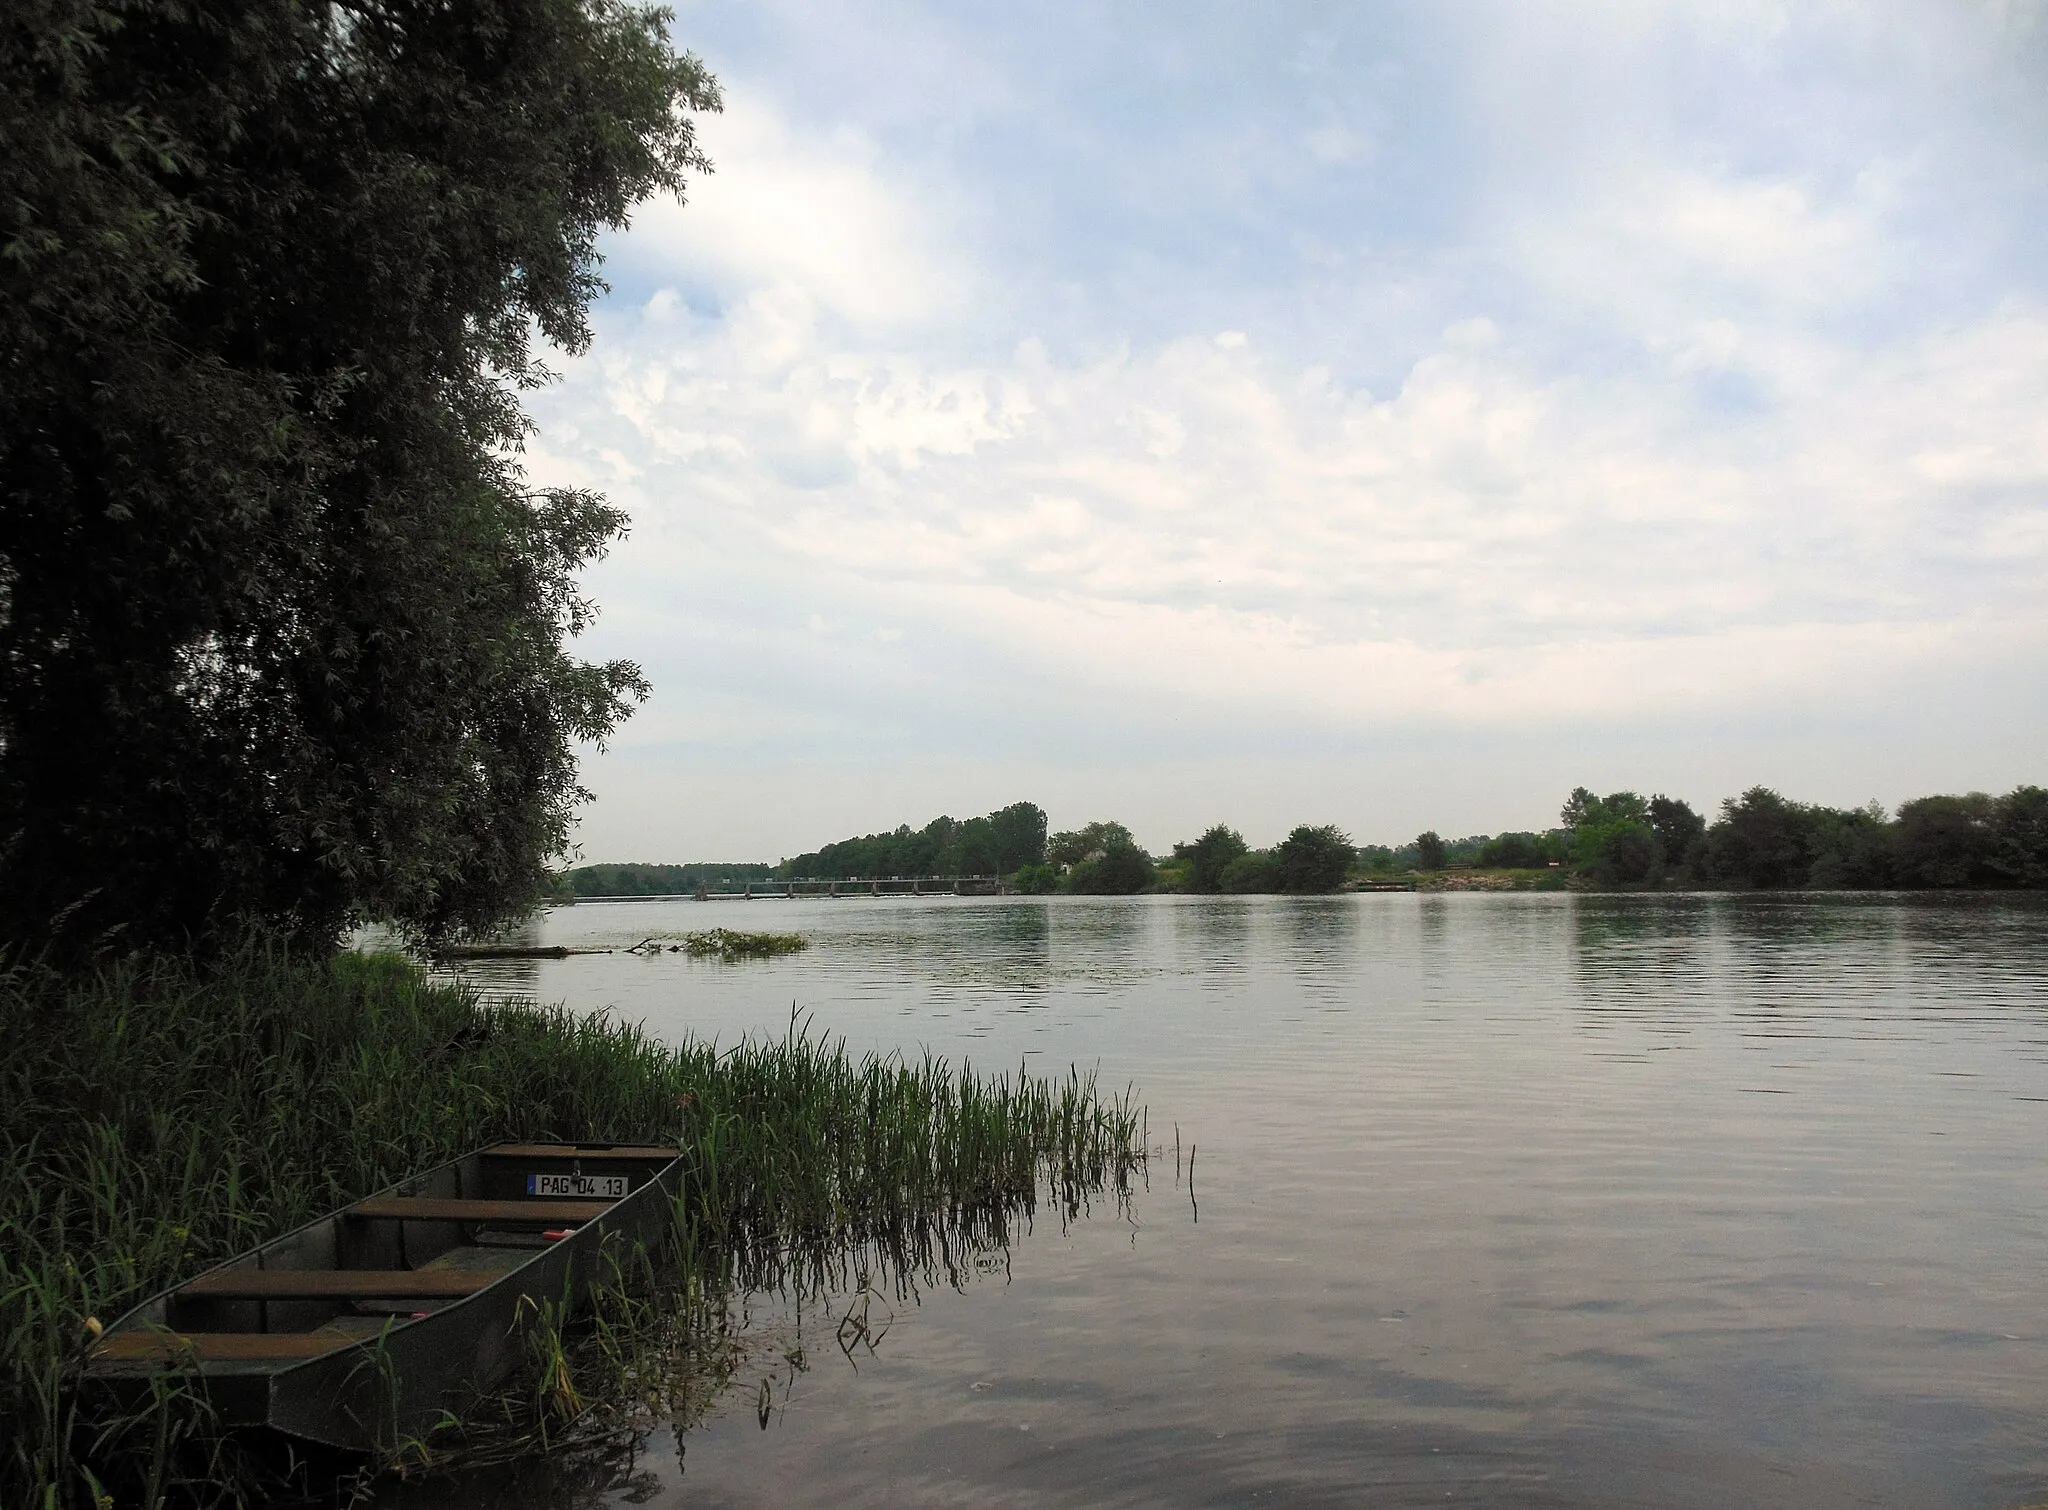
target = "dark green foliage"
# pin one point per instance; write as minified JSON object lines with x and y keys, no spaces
{"x":1314,"y":859}
{"x":659,"y":880}
{"x":1102,"y":859}
{"x":1760,"y":840}
{"x":1857,"y":849}
{"x":1208,"y":857}
{"x":1036,"y":880}
{"x":158,"y":1120}
{"x":1074,"y":846}
{"x":1005,"y":841}
{"x":1255,"y":871}
{"x":1680,"y":832}
{"x":2019,"y":854}
{"x":1521,"y":851}
{"x":1018,"y":833}
{"x":1612,"y":838}
{"x":1946,"y":841}
{"x":281,"y":627}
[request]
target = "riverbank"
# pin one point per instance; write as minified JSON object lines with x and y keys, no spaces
{"x":157,"y":1119}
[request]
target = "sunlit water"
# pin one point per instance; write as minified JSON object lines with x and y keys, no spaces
{"x":1497,"y":1200}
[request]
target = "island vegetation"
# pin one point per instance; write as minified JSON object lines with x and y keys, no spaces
{"x":732,"y":944}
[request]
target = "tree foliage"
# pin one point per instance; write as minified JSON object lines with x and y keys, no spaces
{"x":1314,"y":859}
{"x":1763,"y":840}
{"x":1002,"y":843}
{"x":1612,"y":837}
{"x":1256,"y":871}
{"x":1522,"y":851}
{"x":282,"y":628}
{"x":1102,"y":859}
{"x":1205,"y":860}
{"x":658,"y":880}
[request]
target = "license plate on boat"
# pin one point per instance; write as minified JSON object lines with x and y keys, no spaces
{"x":603,"y":1187}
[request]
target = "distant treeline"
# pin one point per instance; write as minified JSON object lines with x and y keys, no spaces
{"x":656,"y":880}
{"x":1001,"y":844}
{"x":1759,"y":840}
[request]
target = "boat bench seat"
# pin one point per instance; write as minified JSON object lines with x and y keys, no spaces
{"x":429,"y":1208}
{"x":217,"y":1347}
{"x":339,"y":1284}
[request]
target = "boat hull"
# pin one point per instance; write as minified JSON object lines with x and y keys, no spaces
{"x":268,"y":1360}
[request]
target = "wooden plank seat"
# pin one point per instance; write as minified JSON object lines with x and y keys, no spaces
{"x":431,"y":1208}
{"x":219,"y":1347}
{"x":339,"y":1284}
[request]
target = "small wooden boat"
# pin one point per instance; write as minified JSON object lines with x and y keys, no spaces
{"x":360,"y":1330}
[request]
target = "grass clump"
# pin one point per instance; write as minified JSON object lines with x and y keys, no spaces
{"x":157,"y":1119}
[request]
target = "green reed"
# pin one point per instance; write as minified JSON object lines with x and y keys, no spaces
{"x":157,"y":1119}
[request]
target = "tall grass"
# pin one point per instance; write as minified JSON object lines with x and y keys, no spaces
{"x":156,"y":1119}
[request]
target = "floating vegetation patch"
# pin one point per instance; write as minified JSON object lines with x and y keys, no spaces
{"x":728,"y":944}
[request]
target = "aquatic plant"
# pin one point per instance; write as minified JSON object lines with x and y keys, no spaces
{"x":731,"y":944}
{"x":157,"y":1119}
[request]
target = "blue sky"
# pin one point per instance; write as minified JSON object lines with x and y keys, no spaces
{"x":1388,"y":415}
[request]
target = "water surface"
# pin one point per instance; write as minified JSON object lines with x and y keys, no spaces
{"x":1536,"y":1200}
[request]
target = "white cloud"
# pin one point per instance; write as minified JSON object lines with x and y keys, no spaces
{"x":1484,"y":525}
{"x":792,"y":226}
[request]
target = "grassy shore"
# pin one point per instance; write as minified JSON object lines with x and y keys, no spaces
{"x":156,"y":1120}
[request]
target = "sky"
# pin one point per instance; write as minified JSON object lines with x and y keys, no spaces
{"x":1389,"y":415}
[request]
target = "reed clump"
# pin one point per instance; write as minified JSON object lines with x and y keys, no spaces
{"x":157,"y":1118}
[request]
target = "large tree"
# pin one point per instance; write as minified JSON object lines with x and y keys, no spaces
{"x":1314,"y":859}
{"x":282,"y":627}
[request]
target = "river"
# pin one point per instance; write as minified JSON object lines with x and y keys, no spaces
{"x":1502,"y":1200}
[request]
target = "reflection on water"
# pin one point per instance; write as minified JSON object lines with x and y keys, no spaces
{"x":1505,"y":1200}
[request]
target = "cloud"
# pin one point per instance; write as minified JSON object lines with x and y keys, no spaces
{"x":1488,"y":522}
{"x":791,"y":228}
